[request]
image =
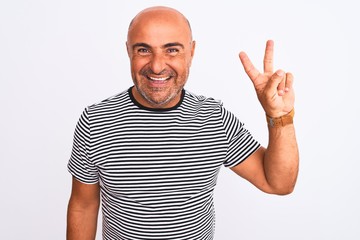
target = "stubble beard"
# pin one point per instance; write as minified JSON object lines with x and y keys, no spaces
{"x":160,"y":102}
{"x":172,"y":92}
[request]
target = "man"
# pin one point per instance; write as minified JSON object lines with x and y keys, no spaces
{"x":153,"y":152}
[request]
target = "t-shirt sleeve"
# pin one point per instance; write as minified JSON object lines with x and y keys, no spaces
{"x":80,"y":164}
{"x":241,"y":143}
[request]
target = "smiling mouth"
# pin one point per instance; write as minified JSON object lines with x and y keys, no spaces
{"x":158,"y":79}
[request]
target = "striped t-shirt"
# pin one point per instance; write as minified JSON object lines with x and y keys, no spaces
{"x":157,"y":168}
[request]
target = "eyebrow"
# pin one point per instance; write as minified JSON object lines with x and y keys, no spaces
{"x":167,"y":45}
{"x":174,"y":44}
{"x":141,"y":45}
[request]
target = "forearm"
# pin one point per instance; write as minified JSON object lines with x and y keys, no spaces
{"x":81,"y":221}
{"x":281,"y":159}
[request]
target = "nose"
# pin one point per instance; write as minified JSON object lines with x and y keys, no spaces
{"x":157,"y":63}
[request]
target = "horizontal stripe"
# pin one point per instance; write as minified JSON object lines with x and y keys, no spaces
{"x":157,"y":169}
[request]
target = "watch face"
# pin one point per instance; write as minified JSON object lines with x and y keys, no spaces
{"x":271,"y":122}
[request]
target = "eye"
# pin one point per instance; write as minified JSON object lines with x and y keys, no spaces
{"x":172,"y":51}
{"x":143,"y":51}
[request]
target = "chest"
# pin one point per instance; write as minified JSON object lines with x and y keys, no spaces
{"x":159,"y":157}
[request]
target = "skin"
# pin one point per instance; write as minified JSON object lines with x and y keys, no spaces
{"x":160,"y":49}
{"x":273,"y":169}
{"x":83,"y":211}
{"x":160,"y":57}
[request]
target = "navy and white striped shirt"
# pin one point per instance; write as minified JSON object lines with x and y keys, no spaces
{"x":157,"y":168}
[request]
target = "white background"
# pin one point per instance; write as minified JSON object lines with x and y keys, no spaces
{"x":56,"y":57}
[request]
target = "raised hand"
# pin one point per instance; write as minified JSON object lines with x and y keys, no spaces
{"x":274,"y":89}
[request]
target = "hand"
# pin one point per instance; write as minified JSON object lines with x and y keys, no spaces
{"x":274,"y":90}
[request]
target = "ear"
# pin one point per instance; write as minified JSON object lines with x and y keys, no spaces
{"x":192,"y":52}
{"x":127,"y":49}
{"x":193,"y":44}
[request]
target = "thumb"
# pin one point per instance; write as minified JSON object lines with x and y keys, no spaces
{"x":276,"y":79}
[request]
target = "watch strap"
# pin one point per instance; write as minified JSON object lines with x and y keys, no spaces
{"x":281,"y":121}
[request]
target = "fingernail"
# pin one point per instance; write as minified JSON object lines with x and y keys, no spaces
{"x":280,"y":73}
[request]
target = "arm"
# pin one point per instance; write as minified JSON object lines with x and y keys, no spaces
{"x":273,"y":170}
{"x":83,"y":211}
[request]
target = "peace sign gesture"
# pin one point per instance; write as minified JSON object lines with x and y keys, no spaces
{"x":274,"y":90}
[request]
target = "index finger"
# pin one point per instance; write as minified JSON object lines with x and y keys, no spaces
{"x":249,"y":68}
{"x":269,"y":57}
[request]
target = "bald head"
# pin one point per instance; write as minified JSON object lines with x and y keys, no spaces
{"x":160,"y":49}
{"x":160,"y":15}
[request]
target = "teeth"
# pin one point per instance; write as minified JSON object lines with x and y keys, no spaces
{"x":159,"y":79}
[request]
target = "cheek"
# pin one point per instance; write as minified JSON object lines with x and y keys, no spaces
{"x":180,"y":66}
{"x":137,"y":64}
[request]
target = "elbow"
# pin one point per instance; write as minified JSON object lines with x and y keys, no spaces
{"x":283,"y":192}
{"x":282,"y":189}
{"x":283,"y":186}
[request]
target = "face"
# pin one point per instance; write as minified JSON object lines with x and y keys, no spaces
{"x":160,"y":49}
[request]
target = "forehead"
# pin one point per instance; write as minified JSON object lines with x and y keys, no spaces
{"x":159,"y":27}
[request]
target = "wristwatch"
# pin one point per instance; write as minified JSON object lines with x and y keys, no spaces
{"x":281,"y":121}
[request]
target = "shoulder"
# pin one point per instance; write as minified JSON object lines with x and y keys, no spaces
{"x":110,"y":103}
{"x":209,"y":105}
{"x":195,"y":99}
{"x":108,"y":108}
